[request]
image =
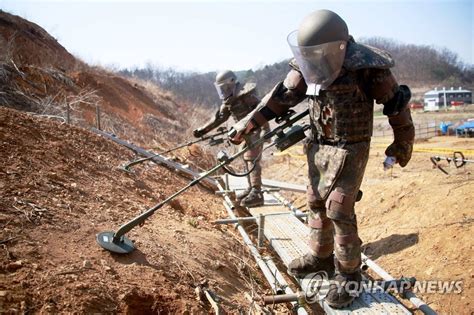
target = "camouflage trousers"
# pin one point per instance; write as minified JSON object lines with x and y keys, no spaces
{"x":335,"y":175}
{"x":254,"y":156}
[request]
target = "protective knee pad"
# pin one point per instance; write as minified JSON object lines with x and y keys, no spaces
{"x":340,"y":206}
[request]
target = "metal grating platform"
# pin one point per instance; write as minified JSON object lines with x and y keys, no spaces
{"x":288,"y":237}
{"x":374,"y":303}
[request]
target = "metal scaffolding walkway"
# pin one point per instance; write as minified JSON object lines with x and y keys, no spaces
{"x":286,"y":234}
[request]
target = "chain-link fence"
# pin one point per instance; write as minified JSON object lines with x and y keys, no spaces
{"x":422,"y":131}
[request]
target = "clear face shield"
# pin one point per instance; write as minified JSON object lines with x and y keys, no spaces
{"x":225,"y":90}
{"x":319,"y":64}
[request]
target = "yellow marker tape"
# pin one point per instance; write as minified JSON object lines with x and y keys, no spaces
{"x":467,"y":152}
{"x":443,"y":150}
{"x":290,"y":152}
{"x":419,"y":149}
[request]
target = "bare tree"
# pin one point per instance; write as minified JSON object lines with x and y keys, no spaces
{"x":417,"y":65}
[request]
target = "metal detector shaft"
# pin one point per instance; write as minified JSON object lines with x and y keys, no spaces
{"x":439,"y":158}
{"x":458,"y":159}
{"x":128,"y":165}
{"x":142,"y":217}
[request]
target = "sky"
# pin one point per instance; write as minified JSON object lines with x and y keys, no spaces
{"x":215,"y":35}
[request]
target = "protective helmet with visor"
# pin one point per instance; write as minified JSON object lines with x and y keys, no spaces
{"x":226,"y":83}
{"x":319,"y":47}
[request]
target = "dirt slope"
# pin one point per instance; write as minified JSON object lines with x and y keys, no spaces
{"x":26,"y":42}
{"x":419,"y":222}
{"x":60,"y":186}
{"x":414,"y":221}
{"x":38,"y":75}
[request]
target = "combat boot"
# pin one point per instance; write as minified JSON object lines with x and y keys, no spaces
{"x":310,"y":263}
{"x":253,"y":199}
{"x":344,"y":289}
{"x":244,"y":193}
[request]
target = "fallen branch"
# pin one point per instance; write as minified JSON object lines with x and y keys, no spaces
{"x":22,"y":74}
{"x":181,"y":267}
{"x":8,"y":240}
{"x":62,"y":119}
{"x":25,"y":213}
{"x":212,"y":301}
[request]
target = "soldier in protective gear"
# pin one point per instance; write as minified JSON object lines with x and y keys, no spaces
{"x":237,"y":101}
{"x":340,"y":79}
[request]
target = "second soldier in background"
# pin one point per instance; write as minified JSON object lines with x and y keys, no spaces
{"x":238,"y":100}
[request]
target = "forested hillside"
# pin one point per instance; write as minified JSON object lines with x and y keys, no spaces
{"x":424,"y":65}
{"x":420,"y":66}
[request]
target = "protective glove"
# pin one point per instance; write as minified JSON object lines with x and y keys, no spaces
{"x":404,"y":137}
{"x":239,"y":130}
{"x":198,"y":133}
{"x":249,"y":123}
{"x":401,"y":151}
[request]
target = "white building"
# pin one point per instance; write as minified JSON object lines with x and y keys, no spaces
{"x":437,"y":99}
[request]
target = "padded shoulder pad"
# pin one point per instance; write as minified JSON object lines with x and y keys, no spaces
{"x":245,"y":89}
{"x":359,"y":56}
{"x":293,"y":79}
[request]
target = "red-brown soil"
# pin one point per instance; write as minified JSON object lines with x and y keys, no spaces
{"x":60,"y":185}
{"x":38,"y":75}
{"x":27,"y":43}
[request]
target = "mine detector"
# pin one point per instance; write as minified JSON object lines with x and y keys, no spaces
{"x":281,"y":229}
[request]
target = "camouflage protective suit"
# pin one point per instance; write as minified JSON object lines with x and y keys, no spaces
{"x":239,"y":106}
{"x":338,"y":149}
